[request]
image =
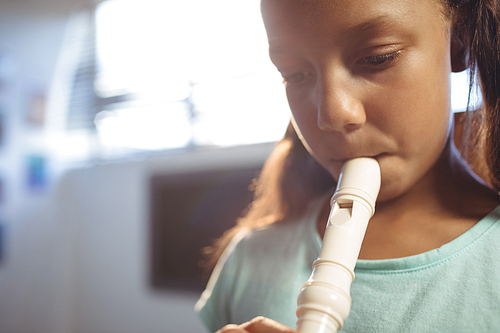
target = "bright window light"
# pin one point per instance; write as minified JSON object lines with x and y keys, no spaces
{"x":198,"y":70}
{"x":460,"y":92}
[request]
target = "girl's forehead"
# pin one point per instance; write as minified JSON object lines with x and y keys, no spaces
{"x":318,"y":8}
{"x":298,"y":16}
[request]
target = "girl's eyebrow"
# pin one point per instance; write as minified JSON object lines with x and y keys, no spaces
{"x":382,"y":21}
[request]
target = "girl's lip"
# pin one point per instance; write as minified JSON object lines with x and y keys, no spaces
{"x":377,"y":157}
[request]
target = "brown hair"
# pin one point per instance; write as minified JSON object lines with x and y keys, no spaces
{"x":480,"y":21}
{"x":291,"y":178}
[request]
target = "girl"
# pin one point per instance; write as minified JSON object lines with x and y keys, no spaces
{"x":371,"y":78}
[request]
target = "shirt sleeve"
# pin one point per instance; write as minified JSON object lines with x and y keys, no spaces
{"x":213,"y":307}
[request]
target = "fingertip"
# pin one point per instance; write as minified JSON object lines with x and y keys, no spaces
{"x":231,"y":328}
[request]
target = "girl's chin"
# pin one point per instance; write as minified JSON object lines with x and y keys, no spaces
{"x":393,"y":186}
{"x":394,"y":182}
{"x":388,"y":193}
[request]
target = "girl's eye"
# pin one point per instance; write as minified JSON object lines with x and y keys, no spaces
{"x":295,"y":78}
{"x":378,"y":60}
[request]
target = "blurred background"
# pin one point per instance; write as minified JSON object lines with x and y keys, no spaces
{"x":130,"y":131}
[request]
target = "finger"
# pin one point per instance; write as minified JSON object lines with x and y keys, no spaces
{"x":232,"y":329}
{"x":266,"y":325}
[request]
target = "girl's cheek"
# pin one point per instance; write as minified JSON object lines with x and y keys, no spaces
{"x":301,"y":102}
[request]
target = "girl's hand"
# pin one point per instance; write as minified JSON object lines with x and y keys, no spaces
{"x":257,"y":325}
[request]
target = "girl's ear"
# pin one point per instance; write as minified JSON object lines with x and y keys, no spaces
{"x":459,"y":51}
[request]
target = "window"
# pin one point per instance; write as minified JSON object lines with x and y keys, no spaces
{"x":172,"y":74}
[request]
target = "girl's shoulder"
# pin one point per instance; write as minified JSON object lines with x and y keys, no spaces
{"x":284,"y":238}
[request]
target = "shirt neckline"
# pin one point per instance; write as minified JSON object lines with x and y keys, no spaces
{"x":418,"y":261}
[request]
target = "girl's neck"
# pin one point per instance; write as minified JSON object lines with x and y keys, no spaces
{"x":444,"y":204}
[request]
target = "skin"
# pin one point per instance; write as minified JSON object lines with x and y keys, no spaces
{"x":371,"y":78}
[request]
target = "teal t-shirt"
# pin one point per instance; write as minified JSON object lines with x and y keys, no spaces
{"x":454,"y":288}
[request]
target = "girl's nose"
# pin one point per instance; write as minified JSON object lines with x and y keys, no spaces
{"x":339,"y":109}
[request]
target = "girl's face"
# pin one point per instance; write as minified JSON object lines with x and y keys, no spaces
{"x":366,"y":78}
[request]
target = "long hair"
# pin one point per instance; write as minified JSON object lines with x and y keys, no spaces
{"x":291,"y":178}
{"x":479,"y":20}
